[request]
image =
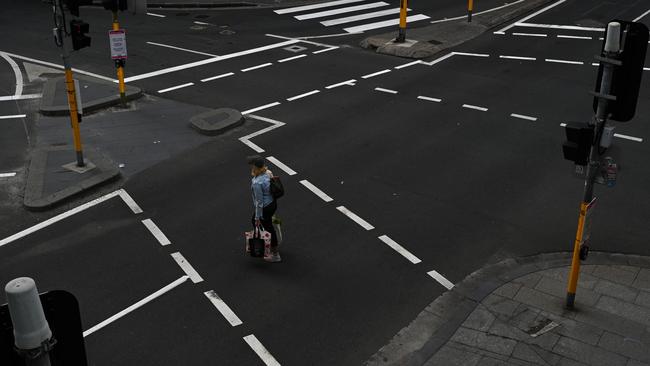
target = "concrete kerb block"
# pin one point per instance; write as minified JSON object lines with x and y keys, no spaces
{"x":217,"y":121}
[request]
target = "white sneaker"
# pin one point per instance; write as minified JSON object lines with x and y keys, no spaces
{"x":273,"y":258}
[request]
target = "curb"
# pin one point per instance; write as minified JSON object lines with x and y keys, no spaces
{"x":217,"y":121}
{"x":452,"y":308}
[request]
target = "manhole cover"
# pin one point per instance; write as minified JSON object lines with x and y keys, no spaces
{"x":295,"y":48}
{"x":202,"y":16}
{"x":182,"y":14}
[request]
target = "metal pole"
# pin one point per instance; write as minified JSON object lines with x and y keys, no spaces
{"x":120,"y":65}
{"x":470,"y":9}
{"x":612,"y":47}
{"x":72,"y":96}
{"x":401,"y":36}
{"x":32,"y":334}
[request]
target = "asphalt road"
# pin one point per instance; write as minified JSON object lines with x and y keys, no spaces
{"x":456,"y":160}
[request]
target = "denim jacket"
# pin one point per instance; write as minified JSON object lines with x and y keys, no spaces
{"x":261,"y":187}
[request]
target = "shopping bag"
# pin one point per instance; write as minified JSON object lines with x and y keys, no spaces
{"x":258,"y":242}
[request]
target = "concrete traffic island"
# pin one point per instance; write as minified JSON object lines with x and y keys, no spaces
{"x":427,"y":41}
{"x":513,"y":313}
{"x":217,"y":121}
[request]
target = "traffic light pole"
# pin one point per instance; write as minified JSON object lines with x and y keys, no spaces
{"x":611,"y":50}
{"x":401,"y":36}
{"x":70,"y":88}
{"x":120,"y":65}
{"x":470,"y":10}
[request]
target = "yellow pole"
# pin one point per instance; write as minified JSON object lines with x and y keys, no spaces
{"x":74,"y":116}
{"x":470,"y":9}
{"x":575,"y":261}
{"x":401,"y":36}
{"x":120,"y":67}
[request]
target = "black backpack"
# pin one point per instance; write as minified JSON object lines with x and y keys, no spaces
{"x":277,"y":189}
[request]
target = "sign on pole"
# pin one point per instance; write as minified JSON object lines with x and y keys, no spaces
{"x":117,"y":40}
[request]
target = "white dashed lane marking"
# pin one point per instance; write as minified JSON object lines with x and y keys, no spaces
{"x":223,"y":308}
{"x":187,"y":267}
{"x":430,"y":99}
{"x":13,"y":116}
{"x":620,"y":136}
{"x":572,"y":37}
{"x":529,"y":34}
{"x":156,"y":232}
{"x":281,"y":165}
{"x":475,"y":107}
{"x":256,"y":67}
{"x":248,"y":111}
{"x":354,"y":217}
{"x":564,"y":61}
{"x":261,"y":351}
{"x":347,"y":82}
{"x":292,"y":58}
{"x":175,"y":87}
{"x":325,"y":50}
{"x":375,"y":74}
{"x":400,"y":249}
{"x":315,"y":190}
{"x":389,"y":91}
{"x":441,"y":279}
{"x":303,"y":95}
{"x":218,"y":77}
{"x":518,"y":58}
{"x":521,"y":116}
{"x":156,"y":15}
{"x":7,"y":175}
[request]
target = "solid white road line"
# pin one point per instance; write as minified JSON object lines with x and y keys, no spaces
{"x":558,"y":26}
{"x":469,"y":106}
{"x":175,"y":87}
{"x":521,"y":116}
{"x":356,"y":18}
{"x":223,"y":308}
{"x":7,"y":175}
{"x":389,"y":91}
{"x":646,"y":68}
{"x":316,"y":191}
{"x":274,"y":124}
{"x":441,"y":279}
{"x":252,"y":145}
{"x":385,"y":23}
{"x":641,"y":16}
{"x":261,"y":351}
{"x":626,"y":137}
{"x":375,"y":74}
{"x":257,"y":67}
{"x":348,"y":9}
{"x":530,"y":34}
{"x":564,"y":61}
{"x":303,"y":95}
{"x":77,"y":71}
{"x":187,"y":267}
{"x":281,"y":165}
{"x":17,"y":73}
{"x":209,"y":60}
{"x":129,"y":201}
{"x":297,"y":9}
{"x":217,"y":77}
{"x":352,"y":216}
{"x":248,"y":111}
{"x":157,"y":15}
{"x":422,"y":97}
{"x":292,"y":58}
{"x":137,"y":305}
{"x":182,"y":49}
{"x":471,"y":54}
{"x":156,"y":232}
{"x":325,"y":50}
{"x":573,"y":37}
{"x":201,"y":23}
{"x":22,"y":97}
{"x":518,"y":58}
{"x":13,"y":116}
{"x":479,"y":13}
{"x":500,"y":33}
{"x":439,"y":59}
{"x":532,"y":15}
{"x":400,"y":249}
{"x":408,"y":64}
{"x":347,"y":82}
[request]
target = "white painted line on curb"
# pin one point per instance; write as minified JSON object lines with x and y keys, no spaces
{"x":375,"y":74}
{"x":347,"y":9}
{"x":315,"y":6}
{"x":296,"y":97}
{"x":437,"y":100}
{"x":217,"y":77}
{"x":532,"y":15}
{"x":157,"y":15}
{"x":441,"y":279}
{"x":181,"y":49}
{"x":641,"y":16}
{"x":408,"y":64}
{"x":223,"y":308}
{"x":475,"y":107}
{"x":135,"y":306}
{"x":7,"y":175}
{"x":316,"y":191}
{"x":352,"y":216}
{"x":248,"y":111}
{"x":471,"y":54}
{"x":521,"y":116}
{"x":325,"y":50}
{"x":261,"y":351}
{"x":557,"y":26}
{"x":389,"y":91}
{"x":400,"y":249}
{"x":175,"y":87}
{"x":626,"y":137}
{"x":187,"y":267}
{"x":156,"y":232}
{"x":256,"y":67}
{"x":347,"y":82}
{"x":518,"y":58}
{"x":14,"y":116}
{"x":529,"y":34}
{"x":572,"y":37}
{"x":564,"y":61}
{"x":292,"y":58}
{"x":22,"y":97}
{"x":281,"y":165}
{"x":129,"y":201}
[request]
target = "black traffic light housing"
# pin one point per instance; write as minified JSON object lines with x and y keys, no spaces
{"x":115,"y":5}
{"x":78,"y":30}
{"x":626,"y":80}
{"x":580,"y":137}
{"x":73,"y":5}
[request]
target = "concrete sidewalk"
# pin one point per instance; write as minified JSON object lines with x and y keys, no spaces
{"x":512,"y":313}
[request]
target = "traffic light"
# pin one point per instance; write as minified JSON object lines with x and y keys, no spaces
{"x":114,"y":5}
{"x":78,"y":30}
{"x":580,"y":137}
{"x":73,"y":5}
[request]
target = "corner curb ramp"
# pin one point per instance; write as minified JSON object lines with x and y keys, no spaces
{"x":418,"y":342}
{"x":438,"y":37}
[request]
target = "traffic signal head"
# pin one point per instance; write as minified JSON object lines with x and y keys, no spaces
{"x":580,"y":137}
{"x":78,"y":30}
{"x":115,"y":5}
{"x":73,"y":5}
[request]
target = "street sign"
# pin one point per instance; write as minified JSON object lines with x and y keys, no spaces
{"x":117,"y":40}
{"x":62,"y":313}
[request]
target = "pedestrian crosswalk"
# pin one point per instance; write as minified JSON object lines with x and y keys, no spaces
{"x":366,"y":14}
